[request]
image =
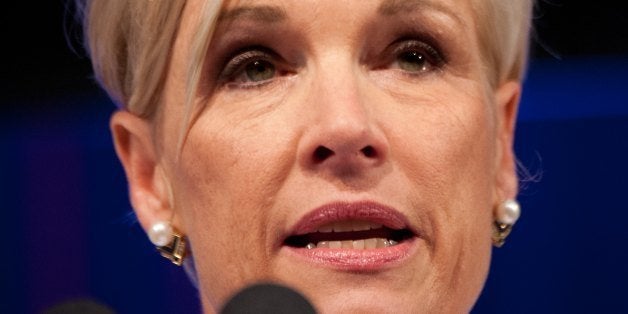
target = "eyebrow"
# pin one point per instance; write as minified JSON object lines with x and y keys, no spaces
{"x":394,"y":7}
{"x":262,"y":13}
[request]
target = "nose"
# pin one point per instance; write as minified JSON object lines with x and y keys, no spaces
{"x":342,"y":136}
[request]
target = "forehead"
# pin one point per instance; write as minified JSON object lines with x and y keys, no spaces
{"x":321,"y":20}
{"x":278,"y":10}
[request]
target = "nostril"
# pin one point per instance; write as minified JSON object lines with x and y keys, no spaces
{"x":321,"y":153}
{"x":369,"y":151}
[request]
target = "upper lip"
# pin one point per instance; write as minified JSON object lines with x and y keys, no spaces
{"x":338,"y":211}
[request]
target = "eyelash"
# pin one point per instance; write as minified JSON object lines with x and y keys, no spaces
{"x":237,"y":64}
{"x":433,"y":57}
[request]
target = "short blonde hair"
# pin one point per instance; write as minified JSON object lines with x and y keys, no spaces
{"x":130,"y":43}
{"x":503,"y":28}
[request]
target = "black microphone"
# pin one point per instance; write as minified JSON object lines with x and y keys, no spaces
{"x":79,"y":306}
{"x":267,"y":298}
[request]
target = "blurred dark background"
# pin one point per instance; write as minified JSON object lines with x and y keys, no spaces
{"x":66,"y":220}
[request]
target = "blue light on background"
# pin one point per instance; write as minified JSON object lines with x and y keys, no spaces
{"x":71,"y":233}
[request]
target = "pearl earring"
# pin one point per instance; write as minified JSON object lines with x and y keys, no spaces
{"x":169,"y":243}
{"x":160,"y":233}
{"x":506,"y":214}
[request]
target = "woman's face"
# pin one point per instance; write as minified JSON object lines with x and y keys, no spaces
{"x":371,"y":119}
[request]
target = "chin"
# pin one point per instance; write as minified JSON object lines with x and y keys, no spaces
{"x":357,"y":300}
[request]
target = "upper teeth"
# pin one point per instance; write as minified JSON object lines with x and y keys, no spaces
{"x":372,"y":243}
{"x":349,"y":225}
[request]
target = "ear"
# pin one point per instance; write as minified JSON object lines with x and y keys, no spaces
{"x":148,"y":186}
{"x":507,"y":100}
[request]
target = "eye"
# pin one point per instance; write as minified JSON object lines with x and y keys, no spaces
{"x":251,"y":67}
{"x":259,"y":70}
{"x":413,"y":61}
{"x":416,"y":56}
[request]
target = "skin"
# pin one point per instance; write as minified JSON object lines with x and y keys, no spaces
{"x":247,"y":172}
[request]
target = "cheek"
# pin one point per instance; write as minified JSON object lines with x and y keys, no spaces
{"x":229,"y":155}
{"x":447,"y":144}
{"x":449,"y":161}
{"x":227,"y":176}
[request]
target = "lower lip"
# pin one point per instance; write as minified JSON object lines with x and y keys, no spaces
{"x":358,"y":260}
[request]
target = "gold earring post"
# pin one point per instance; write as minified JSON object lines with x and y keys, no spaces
{"x":175,"y":250}
{"x":500,"y":233}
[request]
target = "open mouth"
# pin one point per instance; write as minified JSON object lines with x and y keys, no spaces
{"x":350,"y":234}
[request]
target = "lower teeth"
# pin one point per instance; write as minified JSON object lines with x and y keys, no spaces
{"x":371,"y":243}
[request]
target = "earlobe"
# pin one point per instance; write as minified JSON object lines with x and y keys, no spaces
{"x":148,"y":187}
{"x":507,"y":100}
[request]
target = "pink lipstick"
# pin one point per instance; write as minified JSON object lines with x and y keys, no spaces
{"x":355,"y":236}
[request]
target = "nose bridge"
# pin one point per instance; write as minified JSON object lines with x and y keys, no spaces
{"x":342,"y":135}
{"x":337,"y":95}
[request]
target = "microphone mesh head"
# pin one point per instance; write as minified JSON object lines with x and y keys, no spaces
{"x":79,"y":306}
{"x":268,"y":298}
